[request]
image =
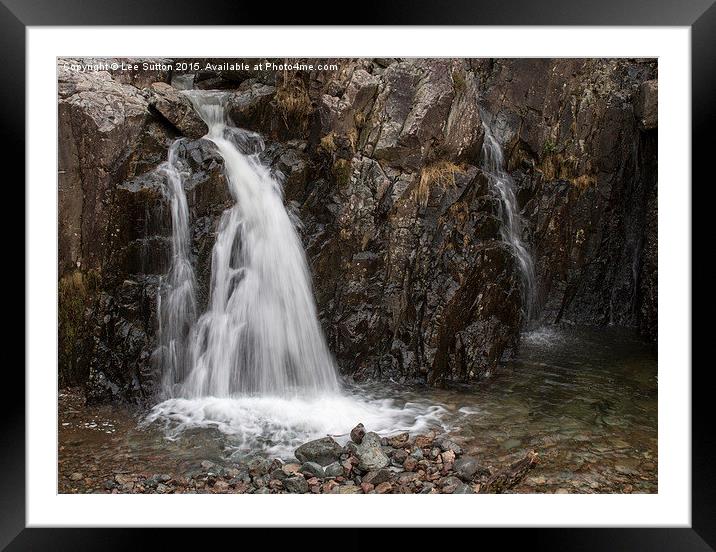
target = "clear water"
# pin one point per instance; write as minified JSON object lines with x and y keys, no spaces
{"x":584,"y":399}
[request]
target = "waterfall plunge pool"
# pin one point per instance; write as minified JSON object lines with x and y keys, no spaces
{"x":584,"y":399}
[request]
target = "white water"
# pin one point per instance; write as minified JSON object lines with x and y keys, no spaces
{"x":493,"y":164}
{"x":260,"y":334}
{"x":177,"y":299}
{"x":257,"y":364}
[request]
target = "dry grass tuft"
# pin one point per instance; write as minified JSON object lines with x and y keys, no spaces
{"x":440,"y":173}
{"x":328,"y":142}
{"x":292,"y":99}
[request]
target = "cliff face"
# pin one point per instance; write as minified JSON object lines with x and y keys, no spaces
{"x":381,"y":160}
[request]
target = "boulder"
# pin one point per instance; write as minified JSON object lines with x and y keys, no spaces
{"x":370,"y":454}
{"x":322,"y":451}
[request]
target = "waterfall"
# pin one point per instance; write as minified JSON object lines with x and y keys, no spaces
{"x":493,"y":165}
{"x":255,"y":365}
{"x":260,"y":333}
{"x":177,"y":298}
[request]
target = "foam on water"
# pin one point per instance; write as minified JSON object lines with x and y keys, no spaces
{"x":277,"y":425}
{"x":544,"y":336}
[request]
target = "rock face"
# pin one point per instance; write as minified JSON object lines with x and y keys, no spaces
{"x":381,"y":163}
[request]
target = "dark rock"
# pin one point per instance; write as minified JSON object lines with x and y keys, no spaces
{"x":376,"y":477}
{"x":177,"y":109}
{"x":446,"y":444}
{"x":357,"y":434}
{"x":321,"y":451}
{"x":295,"y":484}
{"x":259,"y":466}
{"x":334,"y":470}
{"x":467,"y":468}
{"x":647,"y":105}
{"x":314,"y":469}
{"x":398,"y":457}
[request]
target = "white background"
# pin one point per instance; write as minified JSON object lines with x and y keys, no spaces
{"x":671,"y":506}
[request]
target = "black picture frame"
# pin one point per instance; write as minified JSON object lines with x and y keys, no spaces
{"x":700,"y":15}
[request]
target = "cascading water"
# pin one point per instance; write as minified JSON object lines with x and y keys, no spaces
{"x":177,"y":299}
{"x":255,"y":365}
{"x":493,"y":164}
{"x":261,"y":333}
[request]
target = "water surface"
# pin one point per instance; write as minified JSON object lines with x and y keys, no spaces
{"x":584,"y":399}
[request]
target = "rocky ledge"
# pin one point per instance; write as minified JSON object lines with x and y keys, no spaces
{"x":430,"y":463}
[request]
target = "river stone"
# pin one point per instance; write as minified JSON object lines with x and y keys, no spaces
{"x":259,"y":466}
{"x":349,"y":489}
{"x":399,"y":440}
{"x":370,"y":454}
{"x":334,"y":470}
{"x":321,"y":451}
{"x":383,"y":488}
{"x":296,"y":484}
{"x":467,"y":467}
{"x":314,"y":469}
{"x":357,"y":434}
{"x":399,"y":457}
{"x":377,"y":477}
{"x":446,"y":444}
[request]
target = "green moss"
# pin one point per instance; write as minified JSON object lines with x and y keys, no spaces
{"x":458,"y":80}
{"x":75,"y":291}
{"x":549,"y":147}
{"x":342,"y":172}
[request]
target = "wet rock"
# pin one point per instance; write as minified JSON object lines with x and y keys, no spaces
{"x":295,"y":484}
{"x":334,"y":470}
{"x":259,"y":466}
{"x":467,"y":467}
{"x":399,"y":440}
{"x":370,"y":454}
{"x":314,"y":469}
{"x":177,"y":109}
{"x":446,"y":444}
{"x":321,"y":451}
{"x":424,"y":441}
{"x":357,"y":434}
{"x":647,"y":105}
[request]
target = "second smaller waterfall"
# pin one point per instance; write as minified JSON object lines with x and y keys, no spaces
{"x":177,"y":300}
{"x":493,"y":164}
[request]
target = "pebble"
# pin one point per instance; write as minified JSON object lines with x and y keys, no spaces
{"x":383,"y":488}
{"x":221,"y":486}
